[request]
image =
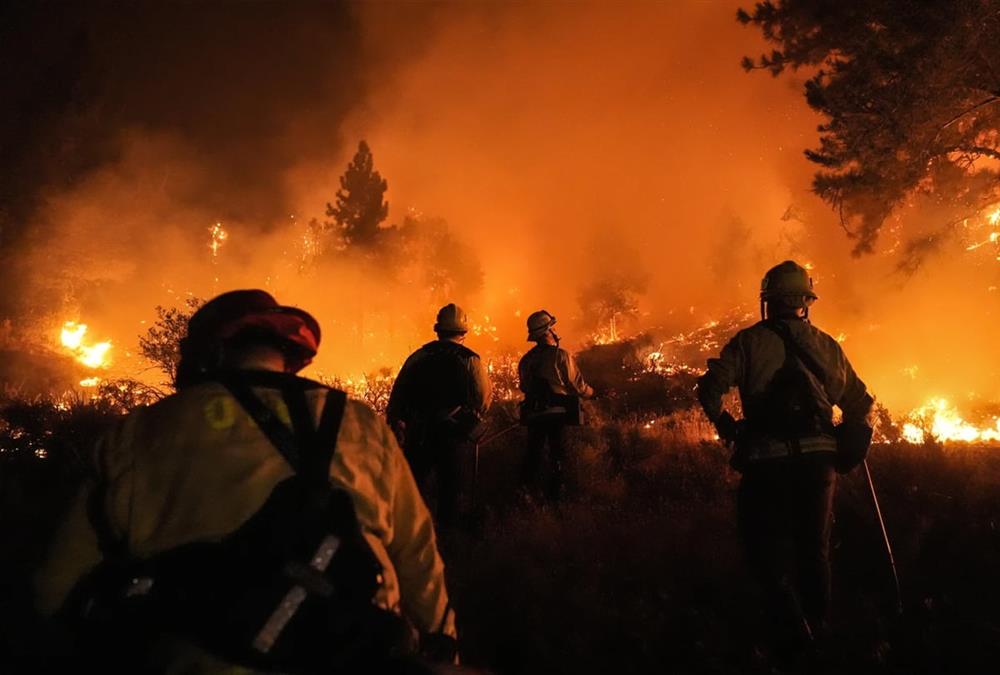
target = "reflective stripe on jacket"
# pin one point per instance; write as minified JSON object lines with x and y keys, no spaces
{"x":194,"y":467}
{"x":769,"y":448}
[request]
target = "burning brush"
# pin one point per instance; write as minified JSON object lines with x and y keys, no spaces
{"x":93,"y":355}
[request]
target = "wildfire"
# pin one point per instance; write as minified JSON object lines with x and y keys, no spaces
{"x":502,"y":369}
{"x":219,"y":237}
{"x":487,"y":328}
{"x":940,"y":420}
{"x":73,"y":339}
{"x":310,"y":244}
{"x":608,"y":334}
{"x":686,"y":352}
{"x":992,"y":220}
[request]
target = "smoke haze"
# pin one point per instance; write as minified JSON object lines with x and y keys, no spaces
{"x":533,"y":129}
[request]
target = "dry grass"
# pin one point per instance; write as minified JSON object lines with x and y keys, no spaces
{"x":638,"y":570}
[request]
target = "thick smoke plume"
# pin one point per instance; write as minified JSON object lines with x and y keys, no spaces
{"x":532,"y":129}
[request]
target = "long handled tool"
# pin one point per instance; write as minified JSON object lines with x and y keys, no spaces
{"x":885,"y":538}
{"x":475,"y":467}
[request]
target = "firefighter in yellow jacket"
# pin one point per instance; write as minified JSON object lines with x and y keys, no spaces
{"x":789,"y":374}
{"x":197,"y":466}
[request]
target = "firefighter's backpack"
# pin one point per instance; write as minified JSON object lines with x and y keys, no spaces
{"x":291,"y":590}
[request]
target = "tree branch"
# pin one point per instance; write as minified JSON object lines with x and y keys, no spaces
{"x":980,"y":150}
{"x":843,"y":219}
{"x":987,"y":101}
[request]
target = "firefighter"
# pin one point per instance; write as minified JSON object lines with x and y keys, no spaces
{"x":192,"y":472}
{"x":437,"y":406}
{"x":789,"y":375}
{"x":553,"y":386}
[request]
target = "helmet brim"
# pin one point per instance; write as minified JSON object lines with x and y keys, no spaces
{"x":440,"y":328}
{"x":764,"y":295}
{"x":295,"y":327}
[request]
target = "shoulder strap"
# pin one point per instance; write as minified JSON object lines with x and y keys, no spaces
{"x":325,"y":437}
{"x":281,"y":437}
{"x":307,"y":450}
{"x":797,"y":350}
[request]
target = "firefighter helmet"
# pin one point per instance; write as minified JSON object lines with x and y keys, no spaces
{"x":237,"y":312}
{"x":787,"y":279}
{"x":451,"y":319}
{"x":539,"y":324}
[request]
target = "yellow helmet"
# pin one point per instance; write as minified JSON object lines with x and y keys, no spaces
{"x":539,"y":323}
{"x":451,"y":319}
{"x":787,"y":279}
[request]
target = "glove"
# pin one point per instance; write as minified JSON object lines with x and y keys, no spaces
{"x":727,"y":427}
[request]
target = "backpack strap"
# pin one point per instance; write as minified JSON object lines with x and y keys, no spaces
{"x":281,"y":437}
{"x":307,"y":449}
{"x":324,"y":444}
{"x":797,"y":350}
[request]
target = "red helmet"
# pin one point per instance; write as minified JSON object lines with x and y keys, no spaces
{"x":230,"y":314}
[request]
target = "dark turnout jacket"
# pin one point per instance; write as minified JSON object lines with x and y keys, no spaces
{"x":753,"y":357}
{"x":437,"y":379}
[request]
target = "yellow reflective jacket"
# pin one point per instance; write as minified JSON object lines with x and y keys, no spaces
{"x":754,"y":355}
{"x":195,"y":466}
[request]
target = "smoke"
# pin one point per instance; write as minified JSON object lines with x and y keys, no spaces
{"x":532,"y":129}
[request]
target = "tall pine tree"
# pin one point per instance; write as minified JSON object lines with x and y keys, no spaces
{"x":360,"y":207}
{"x":911,"y":96}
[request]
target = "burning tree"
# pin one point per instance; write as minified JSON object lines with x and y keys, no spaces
{"x":911,"y":94}
{"x":359,"y":208}
{"x":612,"y":295}
{"x":438,"y":261}
{"x":610,"y":301}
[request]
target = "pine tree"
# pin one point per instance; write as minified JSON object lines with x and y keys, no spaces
{"x":911,"y":96}
{"x":360,"y":207}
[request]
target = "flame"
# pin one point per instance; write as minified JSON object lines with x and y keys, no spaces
{"x":940,"y":420}
{"x":90,"y":382}
{"x":310,"y":244}
{"x":72,"y":337}
{"x":992,"y":220}
{"x":219,"y":237}
{"x":485,"y":329}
